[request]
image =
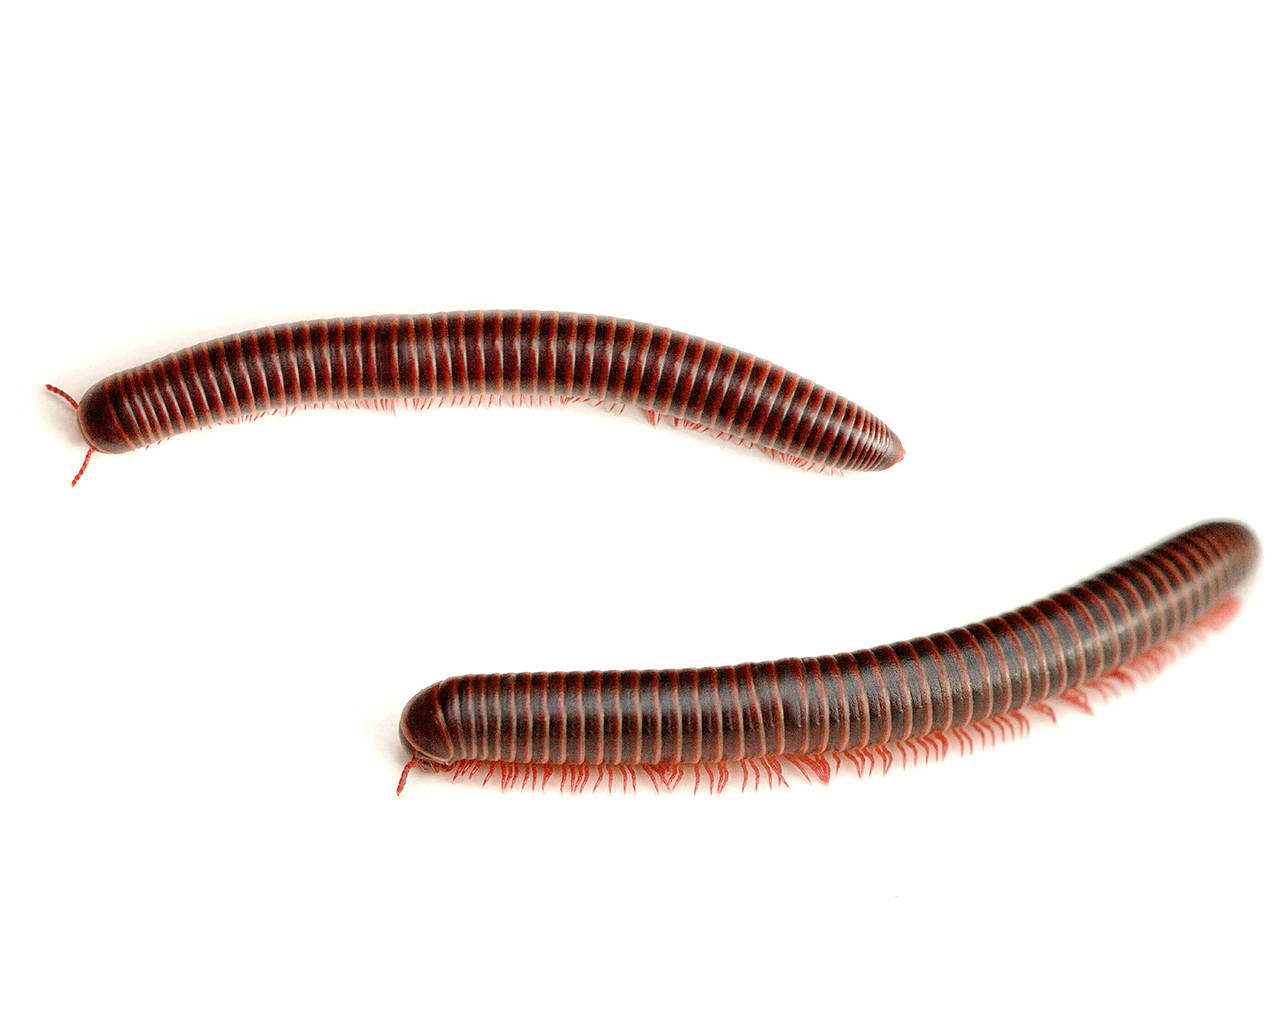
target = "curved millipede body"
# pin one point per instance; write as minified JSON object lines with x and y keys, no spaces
{"x":426,"y":358}
{"x":912,"y":694}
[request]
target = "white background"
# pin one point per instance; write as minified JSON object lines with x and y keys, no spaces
{"x":1040,"y":241}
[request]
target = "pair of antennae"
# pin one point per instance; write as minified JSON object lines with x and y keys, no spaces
{"x":75,"y":405}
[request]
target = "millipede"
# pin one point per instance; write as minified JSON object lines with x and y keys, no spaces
{"x":489,"y":356}
{"x":910,"y":700}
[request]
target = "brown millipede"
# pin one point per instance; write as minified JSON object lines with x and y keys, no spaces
{"x":869,"y":706}
{"x":468,"y":356}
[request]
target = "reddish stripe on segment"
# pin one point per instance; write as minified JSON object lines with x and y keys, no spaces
{"x":203,"y":358}
{"x":700,"y":380}
{"x":734,"y":411}
{"x":161,"y":389}
{"x":429,"y":349}
{"x":1136,"y":583}
{"x":536,"y":372}
{"x":756,"y":711}
{"x":719,"y":380}
{"x":363,"y":351}
{"x":820,"y":691}
{"x":281,"y":395}
{"x":780,"y":415}
{"x":1022,"y":672}
{"x":963,"y":641}
{"x":802,"y":677}
{"x":481,"y":702}
{"x":1027,"y":630}
{"x":1108,"y":632}
{"x":886,"y":699}
{"x":144,"y":408}
{"x":594,"y":690}
{"x":735,"y":696}
{"x":965,"y":683}
{"x":689,"y":386}
{"x":582,"y":348}
{"x":393,"y":358}
{"x":770,"y":388}
{"x":930,"y":652}
{"x":602,"y":363}
{"x":832,"y":438}
{"x":1006,"y":683}
{"x":749,"y":417}
{"x":800,"y":400}
{"x":619,"y":726}
{"x":479,"y":331}
{"x":187,"y":369}
{"x":1089,"y":670}
{"x":180,"y":404}
{"x":477,"y":740}
{"x":287,"y":350}
{"x":816,"y":441}
{"x":130,"y":405}
{"x":413,"y":354}
{"x":512,"y":718}
{"x":1126,"y":633}
{"x":905,"y":660}
{"x":1053,"y":646}
{"x":674,"y":695}
{"x":848,"y":454}
{"x":445,"y":350}
{"x":340,"y":345}
{"x":860,"y":708}
{"x":450,"y":712}
{"x":1212,"y":572}
{"x":632,"y":680}
{"x":806,"y":422}
{"x":459,"y":358}
{"x":831,"y":668}
{"x":192,"y":413}
{"x":771,"y":671}
{"x":506,"y":335}
{"x":530,"y":719}
{"x":693,"y":681}
{"x":559,"y":717}
{"x":1150,"y":573}
{"x":580,"y":712}
{"x":653,"y":369}
{"x":255,"y":371}
{"x":168,"y":397}
{"x":1181,"y":592}
{"x":637,"y":353}
{"x":717,"y":713}
{"x":676,"y":376}
{"x":326,"y":350}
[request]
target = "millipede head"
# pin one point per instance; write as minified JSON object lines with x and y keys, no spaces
{"x":423,"y":731}
{"x":99,"y":423}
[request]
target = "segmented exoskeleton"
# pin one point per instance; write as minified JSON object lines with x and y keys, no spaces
{"x":910,"y":695}
{"x":499,"y":354}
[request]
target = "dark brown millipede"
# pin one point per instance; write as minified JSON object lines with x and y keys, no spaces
{"x":496,"y":354}
{"x":868,"y":706}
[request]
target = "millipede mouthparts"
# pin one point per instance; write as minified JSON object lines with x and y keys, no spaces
{"x":871,"y":707}
{"x":466,"y":357}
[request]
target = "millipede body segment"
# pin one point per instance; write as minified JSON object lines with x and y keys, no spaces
{"x":492,"y":353}
{"x":869,"y":699}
